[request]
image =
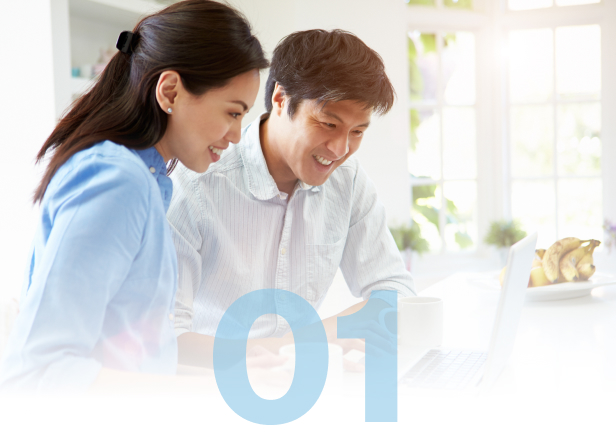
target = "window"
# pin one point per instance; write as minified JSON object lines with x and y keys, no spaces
{"x":519,"y":5}
{"x":555,"y":130}
{"x":457,"y":4}
{"x":510,"y":104}
{"x":443,"y":152}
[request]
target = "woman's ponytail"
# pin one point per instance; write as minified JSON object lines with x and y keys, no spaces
{"x":205,"y":42}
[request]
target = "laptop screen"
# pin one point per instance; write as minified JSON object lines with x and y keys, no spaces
{"x":509,"y":307}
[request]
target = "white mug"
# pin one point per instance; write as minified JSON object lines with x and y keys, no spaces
{"x":420,"y":321}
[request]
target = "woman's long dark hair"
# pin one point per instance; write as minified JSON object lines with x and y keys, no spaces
{"x":206,"y":42}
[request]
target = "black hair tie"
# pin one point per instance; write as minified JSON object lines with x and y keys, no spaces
{"x":124,"y":41}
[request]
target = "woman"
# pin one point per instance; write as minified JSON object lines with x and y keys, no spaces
{"x":102,"y":277}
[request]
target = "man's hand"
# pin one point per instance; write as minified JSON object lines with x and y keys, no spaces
{"x":369,"y":329}
{"x":264,"y":372}
{"x":348,"y":345}
{"x":260,"y":357}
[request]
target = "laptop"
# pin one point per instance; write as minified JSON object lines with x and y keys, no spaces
{"x":472,"y":370}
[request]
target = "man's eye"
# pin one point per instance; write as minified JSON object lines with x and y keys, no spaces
{"x":329,"y":125}
{"x":358,"y":133}
{"x":235,"y":115}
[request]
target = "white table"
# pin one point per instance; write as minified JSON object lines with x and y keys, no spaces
{"x":559,"y":384}
{"x":559,"y":387}
{"x":567,"y":345}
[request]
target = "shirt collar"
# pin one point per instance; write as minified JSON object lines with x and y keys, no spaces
{"x":155,"y":163}
{"x":260,"y":182}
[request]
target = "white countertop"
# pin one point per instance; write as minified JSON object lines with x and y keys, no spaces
{"x":566,"y":345}
{"x":558,"y":387}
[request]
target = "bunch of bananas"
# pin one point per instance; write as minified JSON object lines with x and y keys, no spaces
{"x":567,"y":260}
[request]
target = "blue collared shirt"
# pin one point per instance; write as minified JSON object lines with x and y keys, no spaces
{"x":100,"y":287}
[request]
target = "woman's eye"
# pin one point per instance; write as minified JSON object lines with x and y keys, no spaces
{"x":235,"y":115}
{"x":358,"y":133}
{"x":329,"y":125}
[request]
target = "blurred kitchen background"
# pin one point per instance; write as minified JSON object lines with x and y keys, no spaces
{"x":506,"y":111}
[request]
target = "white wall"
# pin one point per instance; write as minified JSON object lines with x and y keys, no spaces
{"x":61,"y":47}
{"x":40,"y":58}
{"x":27,"y":116}
{"x":608,"y":127}
{"x":89,"y":37}
{"x":382,"y":26}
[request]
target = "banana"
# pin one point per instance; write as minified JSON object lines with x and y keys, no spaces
{"x":568,"y":271}
{"x":569,"y":262}
{"x":588,"y":259}
{"x":585,"y":265}
{"x":586,"y":271}
{"x":551,"y":258}
{"x":501,"y":276}
{"x":538,"y":278}
{"x":537,"y":260}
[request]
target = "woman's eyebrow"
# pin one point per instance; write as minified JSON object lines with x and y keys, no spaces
{"x":239,"y":102}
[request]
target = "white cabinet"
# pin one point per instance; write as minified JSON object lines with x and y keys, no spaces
{"x":81,"y":30}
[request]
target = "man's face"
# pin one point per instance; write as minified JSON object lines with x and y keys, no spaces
{"x":319,"y":139}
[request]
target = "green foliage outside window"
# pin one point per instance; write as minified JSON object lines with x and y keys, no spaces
{"x":427,"y":192}
{"x":458,"y":4}
{"x":428,"y":41}
{"x":504,"y":233}
{"x":410,"y":238}
{"x":421,"y":2}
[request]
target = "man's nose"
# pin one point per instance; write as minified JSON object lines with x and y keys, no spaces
{"x":339,"y":146}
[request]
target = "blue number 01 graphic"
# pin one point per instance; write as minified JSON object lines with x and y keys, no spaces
{"x":311,"y":357}
{"x":377,"y":323}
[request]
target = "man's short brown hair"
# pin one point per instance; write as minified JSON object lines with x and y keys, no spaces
{"x":328,"y":66}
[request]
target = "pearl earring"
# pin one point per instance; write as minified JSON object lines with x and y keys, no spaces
{"x":169,"y":110}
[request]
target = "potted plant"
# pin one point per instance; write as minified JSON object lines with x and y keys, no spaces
{"x":503,"y":234}
{"x":409,"y":240}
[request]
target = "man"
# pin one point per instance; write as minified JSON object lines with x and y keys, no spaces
{"x":288,"y":205}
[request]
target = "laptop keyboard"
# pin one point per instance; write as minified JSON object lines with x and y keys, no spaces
{"x":445,"y":369}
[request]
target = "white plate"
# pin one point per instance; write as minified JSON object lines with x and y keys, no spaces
{"x":569,"y":290}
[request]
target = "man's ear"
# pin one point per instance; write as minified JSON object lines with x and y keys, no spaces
{"x":279,"y":100}
{"x":167,"y":89}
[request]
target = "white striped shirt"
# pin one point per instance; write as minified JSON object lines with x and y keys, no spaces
{"x":235,"y":232}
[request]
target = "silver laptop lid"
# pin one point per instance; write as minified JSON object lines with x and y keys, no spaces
{"x":509,"y":307}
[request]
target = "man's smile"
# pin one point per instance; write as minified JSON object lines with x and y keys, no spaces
{"x":322,"y":160}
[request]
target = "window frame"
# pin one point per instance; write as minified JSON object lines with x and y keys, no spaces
{"x":491,"y":22}
{"x":444,"y":20}
{"x":552,"y":18}
{"x":439,"y":107}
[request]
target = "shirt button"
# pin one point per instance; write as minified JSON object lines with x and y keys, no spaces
{"x":152,"y":170}
{"x":283,"y":251}
{"x":171,"y":316}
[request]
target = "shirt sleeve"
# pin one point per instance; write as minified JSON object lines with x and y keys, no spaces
{"x":94,"y":217}
{"x":371,"y":260}
{"x":185,"y":216}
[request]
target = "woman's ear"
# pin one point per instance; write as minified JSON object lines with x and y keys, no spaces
{"x":167,"y":89}
{"x":279,"y":100}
